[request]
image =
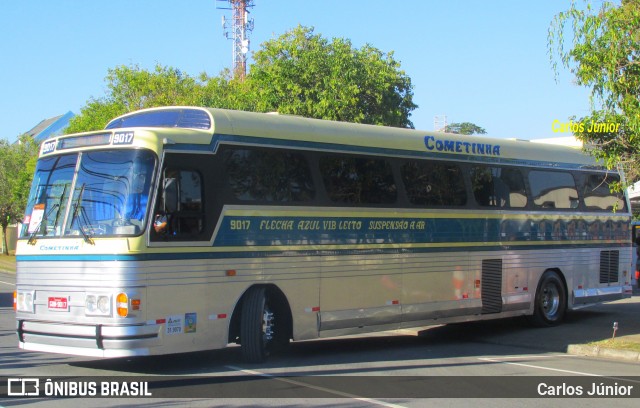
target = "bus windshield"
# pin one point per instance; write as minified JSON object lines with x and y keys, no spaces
{"x":86,"y":194}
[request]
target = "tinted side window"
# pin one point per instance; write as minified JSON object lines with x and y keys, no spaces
{"x":598,"y":196}
{"x":498,"y":187}
{"x":357,"y":180}
{"x":268,"y":175}
{"x":433,"y":184}
{"x":553,"y":189}
{"x":180,"y":211}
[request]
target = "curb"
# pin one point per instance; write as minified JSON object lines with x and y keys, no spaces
{"x":602,"y":352}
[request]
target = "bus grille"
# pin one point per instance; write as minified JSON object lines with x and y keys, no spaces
{"x":609,"y":263}
{"x":491,"y":286}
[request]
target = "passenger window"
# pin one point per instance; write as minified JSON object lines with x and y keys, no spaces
{"x":498,"y":187}
{"x":433,"y":184}
{"x":553,"y":189}
{"x":358,"y":180}
{"x":598,"y":196}
{"x":180,"y":213}
{"x":268,"y":175}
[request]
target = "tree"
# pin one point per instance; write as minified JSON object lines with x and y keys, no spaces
{"x":225,"y":92}
{"x":131,"y":88}
{"x":299,"y":73}
{"x":465,"y":128}
{"x":605,"y":56}
{"x":17,"y":164}
{"x":302,"y":73}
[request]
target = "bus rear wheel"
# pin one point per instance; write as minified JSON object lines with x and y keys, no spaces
{"x":256,"y":326}
{"x":550,"y":302}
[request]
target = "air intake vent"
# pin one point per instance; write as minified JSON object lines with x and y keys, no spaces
{"x":609,"y":264}
{"x":491,"y":286}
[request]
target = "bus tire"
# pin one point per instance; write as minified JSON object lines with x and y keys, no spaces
{"x":551,"y":301}
{"x":256,"y":326}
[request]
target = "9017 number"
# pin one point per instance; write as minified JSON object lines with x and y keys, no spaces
{"x":122,"y":138}
{"x":240,"y":224}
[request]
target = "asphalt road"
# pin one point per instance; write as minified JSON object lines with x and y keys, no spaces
{"x":489,"y":359}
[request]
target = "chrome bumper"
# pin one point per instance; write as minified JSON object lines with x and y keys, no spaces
{"x":88,"y":340}
{"x":586,"y":297}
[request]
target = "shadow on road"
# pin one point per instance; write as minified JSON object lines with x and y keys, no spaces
{"x":356,"y":354}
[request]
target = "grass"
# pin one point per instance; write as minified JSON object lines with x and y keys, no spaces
{"x":617,"y":344}
{"x":8,"y":263}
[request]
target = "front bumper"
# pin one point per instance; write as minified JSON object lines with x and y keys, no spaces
{"x":89,"y":340}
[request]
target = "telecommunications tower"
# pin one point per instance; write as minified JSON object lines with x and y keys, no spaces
{"x":241,"y":26}
{"x":440,"y":123}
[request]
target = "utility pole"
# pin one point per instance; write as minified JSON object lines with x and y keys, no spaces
{"x":241,"y":26}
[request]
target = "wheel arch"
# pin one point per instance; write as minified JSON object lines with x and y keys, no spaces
{"x":560,"y":274}
{"x":280,"y":301}
{"x":540,"y":316}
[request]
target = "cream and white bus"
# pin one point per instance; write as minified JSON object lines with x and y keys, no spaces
{"x":181,"y":229}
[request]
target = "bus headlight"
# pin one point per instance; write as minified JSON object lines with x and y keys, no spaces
{"x":24,"y":301}
{"x":97,"y":305}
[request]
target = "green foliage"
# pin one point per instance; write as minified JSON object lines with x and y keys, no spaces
{"x":605,"y":56}
{"x":299,"y":73}
{"x":302,"y":73}
{"x":17,"y":165}
{"x":225,"y":92}
{"x":132,"y":88}
{"x":94,"y":115}
{"x":465,"y":128}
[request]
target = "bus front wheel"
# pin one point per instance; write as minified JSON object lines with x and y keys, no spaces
{"x":550,"y":302}
{"x":256,"y":326}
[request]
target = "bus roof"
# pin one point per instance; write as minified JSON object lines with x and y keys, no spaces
{"x":214,"y":124}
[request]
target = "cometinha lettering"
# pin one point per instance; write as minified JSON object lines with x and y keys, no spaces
{"x":433,"y":143}
{"x":579,"y":127}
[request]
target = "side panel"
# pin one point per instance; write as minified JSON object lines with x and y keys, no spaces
{"x":363,"y":290}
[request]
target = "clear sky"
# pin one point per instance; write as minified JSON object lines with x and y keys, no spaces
{"x":484,"y":62}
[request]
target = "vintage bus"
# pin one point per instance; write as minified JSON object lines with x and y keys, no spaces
{"x":181,"y":229}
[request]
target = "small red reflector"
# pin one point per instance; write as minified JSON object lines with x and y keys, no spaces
{"x":231,"y":272}
{"x":315,"y":309}
{"x":222,"y":316}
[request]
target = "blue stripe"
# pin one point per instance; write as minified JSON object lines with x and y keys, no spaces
{"x":269,"y":230}
{"x":178,"y":256}
{"x":219,"y":139}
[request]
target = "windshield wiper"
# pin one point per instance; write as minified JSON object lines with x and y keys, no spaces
{"x":32,"y":238}
{"x":88,"y":238}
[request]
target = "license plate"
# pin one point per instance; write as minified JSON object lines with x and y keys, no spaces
{"x":58,"y":303}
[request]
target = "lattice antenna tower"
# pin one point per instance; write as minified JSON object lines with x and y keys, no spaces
{"x":440,"y":123}
{"x":241,"y":26}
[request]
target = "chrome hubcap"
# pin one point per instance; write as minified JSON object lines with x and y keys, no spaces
{"x":550,"y":300}
{"x":267,"y":325}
